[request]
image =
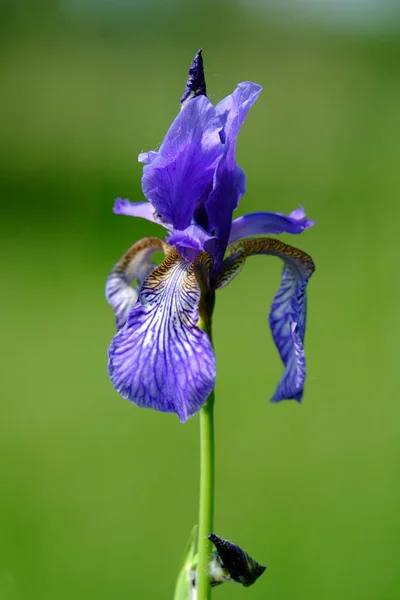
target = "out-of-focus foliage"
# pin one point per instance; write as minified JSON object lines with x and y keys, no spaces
{"x":97,"y":496}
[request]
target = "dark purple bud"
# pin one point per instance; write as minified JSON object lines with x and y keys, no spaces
{"x":196,"y":83}
{"x":242,"y":568}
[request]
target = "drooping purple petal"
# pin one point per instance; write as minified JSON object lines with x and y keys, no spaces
{"x":178,"y":176}
{"x":288,"y":321}
{"x":263,"y":223}
{"x":229,"y":180}
{"x":161,"y":359}
{"x":136,"y":264}
{"x":288,"y":311}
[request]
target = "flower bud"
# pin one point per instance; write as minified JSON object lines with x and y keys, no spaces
{"x":241,"y":567}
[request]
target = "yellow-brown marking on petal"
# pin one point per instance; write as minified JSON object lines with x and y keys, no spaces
{"x":237,"y":253}
{"x":137,"y":248}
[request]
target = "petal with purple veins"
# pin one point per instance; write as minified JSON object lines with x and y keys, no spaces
{"x":161,"y":359}
{"x":185,"y":164}
{"x":289,"y":307}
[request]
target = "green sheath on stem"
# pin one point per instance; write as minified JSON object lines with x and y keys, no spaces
{"x":184,"y":587}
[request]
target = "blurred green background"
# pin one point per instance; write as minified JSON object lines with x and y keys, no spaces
{"x":97,"y":497}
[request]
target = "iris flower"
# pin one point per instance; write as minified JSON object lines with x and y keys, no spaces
{"x":160,"y":357}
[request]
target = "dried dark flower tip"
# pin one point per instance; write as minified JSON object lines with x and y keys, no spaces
{"x":196,"y":83}
{"x":242,"y":568}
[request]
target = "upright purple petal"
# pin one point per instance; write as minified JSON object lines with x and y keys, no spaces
{"x":288,"y":311}
{"x":233,"y":109}
{"x":229,"y":180}
{"x":161,"y":359}
{"x":133,"y":268}
{"x":185,"y":164}
{"x":263,"y":223}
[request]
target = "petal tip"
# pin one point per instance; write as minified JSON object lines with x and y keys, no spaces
{"x":277,"y":397}
{"x":119,"y":205}
{"x":183,"y":417}
{"x":299,"y":214}
{"x":252,"y":89}
{"x":147,"y":157}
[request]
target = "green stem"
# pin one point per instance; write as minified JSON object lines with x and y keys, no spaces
{"x":206,"y":515}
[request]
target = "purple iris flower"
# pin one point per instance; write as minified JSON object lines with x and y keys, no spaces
{"x":160,"y":358}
